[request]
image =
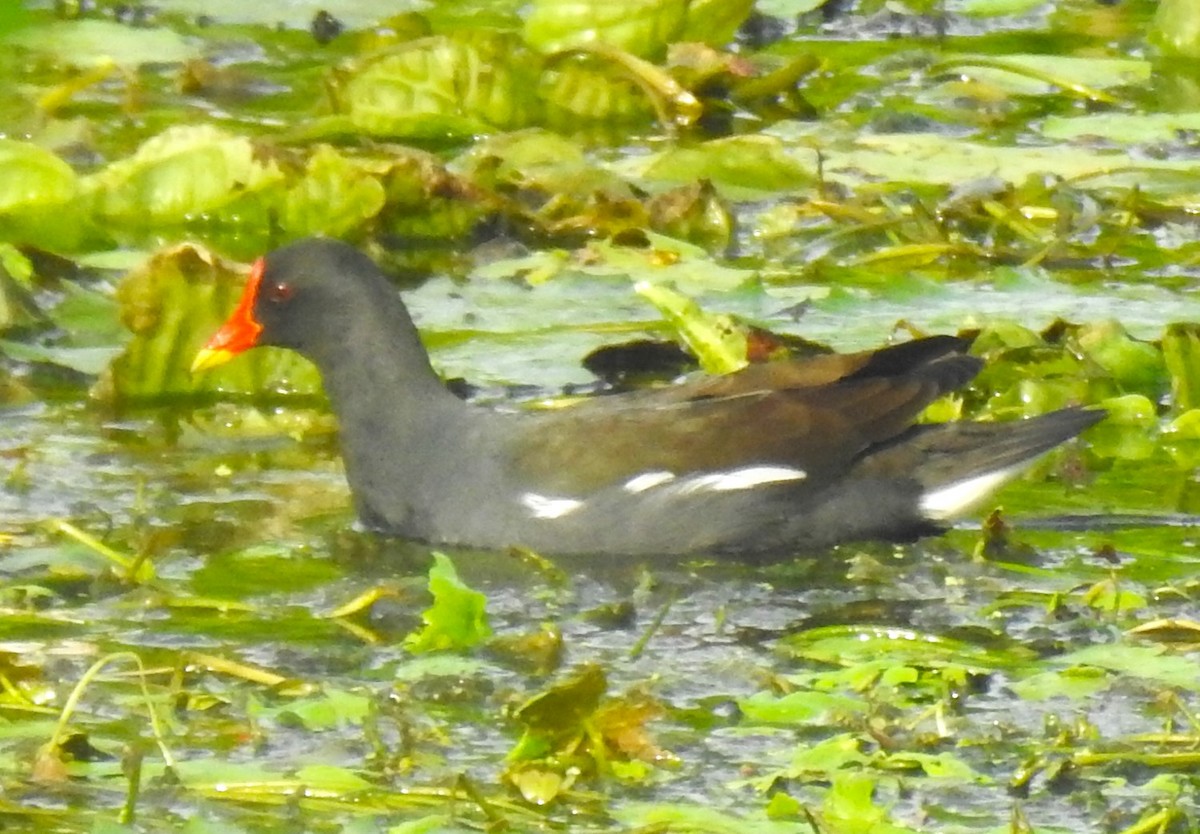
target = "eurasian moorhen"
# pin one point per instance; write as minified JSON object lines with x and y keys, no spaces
{"x":775,"y":459}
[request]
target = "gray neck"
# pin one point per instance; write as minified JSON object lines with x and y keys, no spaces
{"x":391,"y":406}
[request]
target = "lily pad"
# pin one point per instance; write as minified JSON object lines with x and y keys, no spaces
{"x":89,"y":43}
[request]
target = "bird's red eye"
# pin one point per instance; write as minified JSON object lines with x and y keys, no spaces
{"x":278,"y":292}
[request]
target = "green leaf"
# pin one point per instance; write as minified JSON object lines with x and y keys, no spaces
{"x":668,"y":262}
{"x":1151,"y":663}
{"x":851,"y":805}
{"x":31,"y":177}
{"x":846,"y":645}
{"x":1131,"y":410}
{"x":937,"y":766}
{"x":183,"y":172}
{"x":87,"y":43}
{"x":457,"y":620}
{"x":1108,"y":595}
{"x":997,"y":8}
{"x":13,"y":16}
{"x":1185,"y":427}
{"x":1134,"y":364}
{"x":587,"y":88}
{"x":715,"y":22}
{"x":1076,"y":683}
{"x":432,"y":667}
{"x":641,"y":27}
{"x":1126,"y":128}
{"x":717,"y":341}
{"x":1181,"y":352}
{"x":323,"y":777}
{"x":799,"y":708}
{"x":1040,"y":74}
{"x":564,"y":706}
{"x":741,"y":167}
{"x":90,"y":361}
{"x":443,"y":88}
{"x":89,"y":334}
{"x":336,"y":195}
{"x":933,"y":158}
{"x":89,"y":316}
{"x":819,"y":760}
{"x":684,"y":817}
{"x":783,"y":806}
{"x":15,"y":265}
{"x":432,"y":824}
{"x":332,"y":709}
{"x":788,"y":8}
{"x":1176,"y":28}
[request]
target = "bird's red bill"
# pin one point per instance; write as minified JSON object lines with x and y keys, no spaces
{"x":239,"y":332}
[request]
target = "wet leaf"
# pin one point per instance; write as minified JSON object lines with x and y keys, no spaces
{"x":717,"y":341}
{"x":642,"y":27}
{"x":783,"y":806}
{"x":995,"y":8}
{"x":457,"y":620}
{"x":847,"y":644}
{"x":694,"y":213}
{"x":1076,"y":683}
{"x":1172,"y":631}
{"x":676,"y":816}
{"x":623,"y":725}
{"x":743,"y":167}
{"x":907,"y":158}
{"x":851,"y":800}
{"x":12,"y":18}
{"x":715,"y":22}
{"x":581,"y":85}
{"x":32,"y":178}
{"x":442,"y":87}
{"x":799,"y":708}
{"x":1176,"y":28}
{"x":1183,"y":437}
{"x":89,"y":361}
{"x":335,"y":196}
{"x":182,"y":173}
{"x":93,"y":42}
{"x":1108,"y":595}
{"x":1181,"y":352}
{"x":1150,"y":663}
{"x":1038,"y":74}
{"x":562,"y":709}
{"x":331,"y":709}
{"x":539,"y":785}
{"x":40,"y":197}
{"x":1134,"y":365}
{"x":1131,"y":410}
{"x":539,"y":651}
{"x":1126,"y":128}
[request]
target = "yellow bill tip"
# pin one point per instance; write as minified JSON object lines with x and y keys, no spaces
{"x":208,"y":358}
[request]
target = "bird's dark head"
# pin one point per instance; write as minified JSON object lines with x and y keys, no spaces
{"x":298,"y":297}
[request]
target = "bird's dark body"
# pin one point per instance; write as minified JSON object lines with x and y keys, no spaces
{"x":776,"y":459}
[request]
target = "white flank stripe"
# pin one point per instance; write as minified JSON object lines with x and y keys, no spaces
{"x":748,"y":478}
{"x":541,"y":506}
{"x":648,"y":480}
{"x":952,"y":499}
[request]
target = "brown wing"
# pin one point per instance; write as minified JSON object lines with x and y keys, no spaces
{"x":818,"y":415}
{"x":895,"y":361}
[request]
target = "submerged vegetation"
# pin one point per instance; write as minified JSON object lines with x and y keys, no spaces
{"x":195,"y":639}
